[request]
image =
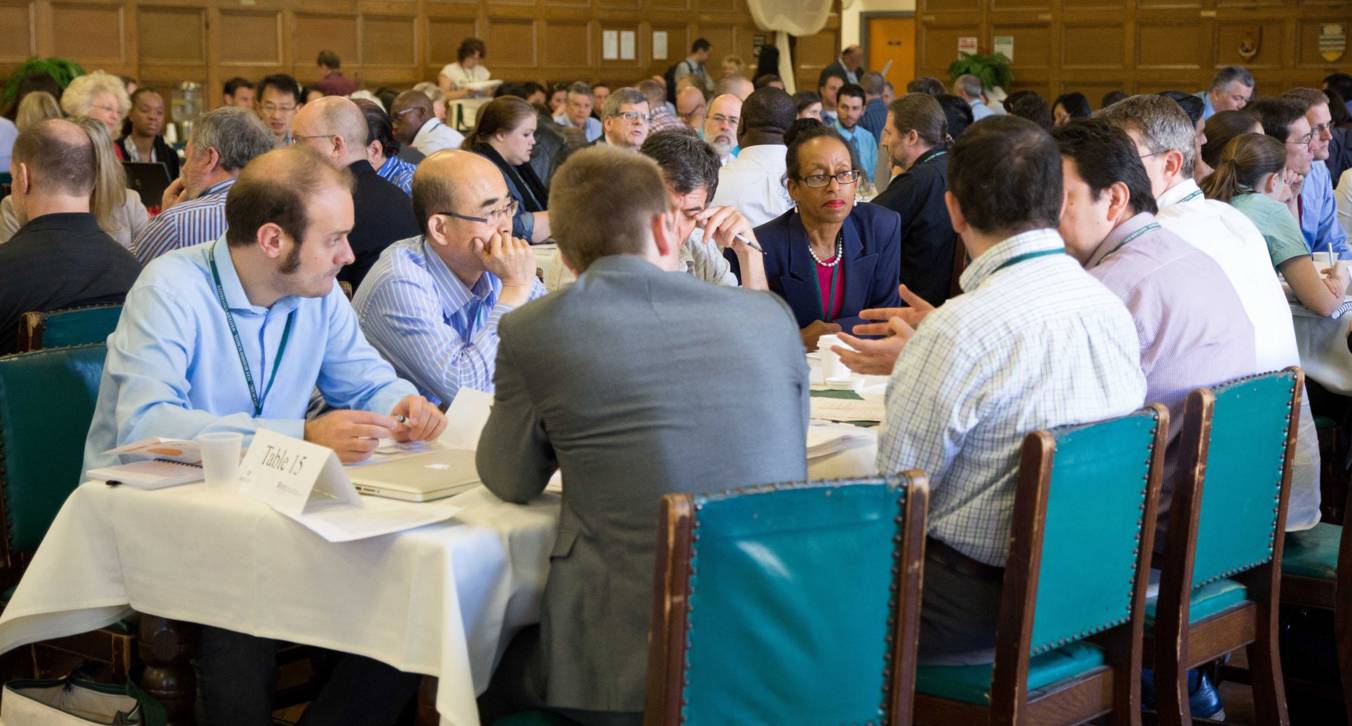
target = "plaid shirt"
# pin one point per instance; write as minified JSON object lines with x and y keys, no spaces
{"x":1032,"y":344}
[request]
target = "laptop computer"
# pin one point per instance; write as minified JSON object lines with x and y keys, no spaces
{"x":424,"y":477}
{"x":149,"y":179}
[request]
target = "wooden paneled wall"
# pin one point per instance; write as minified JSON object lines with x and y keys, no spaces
{"x":381,"y":42}
{"x":1096,"y":46}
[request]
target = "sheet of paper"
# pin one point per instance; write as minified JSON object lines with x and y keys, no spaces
{"x":338,"y":522}
{"x":659,"y":45}
{"x":610,"y":45}
{"x":465,"y":419}
{"x":627,"y":45}
{"x":826,"y":438}
{"x":158,"y":447}
{"x":844,"y":409}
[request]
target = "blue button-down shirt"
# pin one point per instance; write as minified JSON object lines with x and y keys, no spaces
{"x":865,"y":146}
{"x":184,"y":225}
{"x":1319,"y":214}
{"x":438,"y":332}
{"x":172,"y":368}
{"x":398,"y":172}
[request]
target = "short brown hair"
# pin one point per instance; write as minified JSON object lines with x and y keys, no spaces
{"x":1307,"y":97}
{"x":502,"y":114}
{"x":274,"y":188}
{"x":470,"y":46}
{"x":602,"y":201}
{"x":60,"y":155}
{"x":919,"y":112}
{"x":329,"y":59}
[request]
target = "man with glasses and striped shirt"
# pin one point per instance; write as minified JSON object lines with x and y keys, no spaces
{"x":431,"y":304}
{"x":625,"y":119}
{"x":193,"y":210}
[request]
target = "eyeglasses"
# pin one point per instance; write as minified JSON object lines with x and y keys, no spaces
{"x":719,"y":118}
{"x":821,"y":181}
{"x":1321,"y":129}
{"x":295,"y":139}
{"x":632,"y":116}
{"x":272,"y":108}
{"x":408,"y":110}
{"x":1154,"y":153}
{"x":106,"y":109}
{"x":1302,"y":141}
{"x":503,"y":213}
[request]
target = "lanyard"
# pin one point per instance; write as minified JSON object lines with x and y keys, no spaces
{"x":1027,"y":256}
{"x":1130,"y":237}
{"x":1191,"y":196}
{"x":830,"y":303}
{"x":239,"y":346}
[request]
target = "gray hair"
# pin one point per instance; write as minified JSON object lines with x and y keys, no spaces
{"x":1160,"y":121}
{"x":579,"y":88}
{"x":1227,"y":75}
{"x":622,"y":97}
{"x":969,"y":84}
{"x":78,"y":97}
{"x":235,"y":133}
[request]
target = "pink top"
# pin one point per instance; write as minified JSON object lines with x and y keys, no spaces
{"x":824,"y":288}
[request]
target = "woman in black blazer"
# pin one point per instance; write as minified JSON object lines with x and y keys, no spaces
{"x":142,"y":138}
{"x":828,"y":257}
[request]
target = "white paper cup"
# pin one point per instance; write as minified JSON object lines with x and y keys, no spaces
{"x":220,"y":459}
{"x":832,"y":366}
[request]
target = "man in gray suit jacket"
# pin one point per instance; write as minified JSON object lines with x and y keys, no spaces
{"x":634,"y":382}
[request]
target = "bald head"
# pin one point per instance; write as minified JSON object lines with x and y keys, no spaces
{"x":411,"y":109}
{"x":690,"y":106}
{"x":736,"y":85}
{"x":456,"y":181}
{"x":56,"y":157}
{"x":334,"y":126}
{"x":275,"y":189}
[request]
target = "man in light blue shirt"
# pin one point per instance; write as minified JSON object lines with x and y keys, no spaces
{"x":1318,"y":208}
{"x":431,"y":303}
{"x":968,"y":88}
{"x":577,"y":112}
{"x":849,"y":111}
{"x":233,"y":335}
{"x":1230,"y":90}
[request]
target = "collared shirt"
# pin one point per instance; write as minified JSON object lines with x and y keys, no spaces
{"x":980,"y":110}
{"x":1319,"y":214}
{"x":753,"y":183}
{"x":8,"y":134}
{"x":399,"y":173}
{"x":981,"y":373}
{"x":1229,"y":238}
{"x":1274,"y":220}
{"x":1208,"y":110}
{"x":591,"y":129}
{"x":865,"y":146}
{"x":185,"y":224}
{"x":1344,"y":195}
{"x":334,"y":83}
{"x":173,"y":368}
{"x":704,"y":260}
{"x":437,"y":332}
{"x":1185,"y":311}
{"x":436,"y":136}
{"x":663,"y":119}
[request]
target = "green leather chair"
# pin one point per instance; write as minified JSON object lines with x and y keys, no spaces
{"x":72,"y":326}
{"x":47,"y":400}
{"x":1221,"y":567}
{"x":1071,"y":615}
{"x":795,"y":603}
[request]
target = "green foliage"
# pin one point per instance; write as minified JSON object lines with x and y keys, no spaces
{"x":992,"y":68}
{"x":63,"y":71}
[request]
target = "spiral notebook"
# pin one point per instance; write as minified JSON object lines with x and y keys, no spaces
{"x":149,"y":474}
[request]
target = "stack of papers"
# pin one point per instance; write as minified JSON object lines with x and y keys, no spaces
{"x":846,"y":406}
{"x":825,"y":439}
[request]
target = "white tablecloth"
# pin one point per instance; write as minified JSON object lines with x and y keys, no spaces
{"x":441,"y":600}
{"x":1322,"y":342}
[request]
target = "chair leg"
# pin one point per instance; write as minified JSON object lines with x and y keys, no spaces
{"x":1265,"y":668}
{"x":1171,"y":693}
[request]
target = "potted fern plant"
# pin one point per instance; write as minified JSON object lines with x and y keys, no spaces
{"x":60,"y":70}
{"x":992,"y":68}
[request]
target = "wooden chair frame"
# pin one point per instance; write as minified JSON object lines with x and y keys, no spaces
{"x":1175,"y":645}
{"x":33,"y":324}
{"x":1114,"y":688}
{"x":671,"y":591}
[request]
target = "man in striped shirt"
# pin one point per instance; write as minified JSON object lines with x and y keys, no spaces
{"x":222,"y":142}
{"x":431,"y":303}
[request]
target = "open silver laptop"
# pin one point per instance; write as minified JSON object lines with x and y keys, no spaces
{"x":436,"y":474}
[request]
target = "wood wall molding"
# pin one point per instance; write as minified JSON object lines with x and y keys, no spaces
{"x":382,"y":42}
{"x":1096,"y":46}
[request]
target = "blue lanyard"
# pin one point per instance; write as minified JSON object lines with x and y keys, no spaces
{"x":1027,"y":256}
{"x":1130,"y":237}
{"x":1191,"y":196}
{"x":239,"y":345}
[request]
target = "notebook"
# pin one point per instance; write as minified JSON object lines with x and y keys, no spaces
{"x":436,"y":474}
{"x":149,"y":474}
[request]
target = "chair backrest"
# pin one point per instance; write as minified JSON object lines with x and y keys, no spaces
{"x":1253,"y":429}
{"x":1083,"y":515}
{"x":796,"y":603}
{"x":47,"y":400}
{"x":72,"y":326}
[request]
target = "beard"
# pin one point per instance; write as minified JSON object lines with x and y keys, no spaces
{"x":723,"y":145}
{"x":292,"y":261}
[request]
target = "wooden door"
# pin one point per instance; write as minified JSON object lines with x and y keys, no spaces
{"x":892,"y":39}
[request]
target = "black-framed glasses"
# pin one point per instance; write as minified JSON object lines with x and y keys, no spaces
{"x":505,"y":212}
{"x":821,"y":181}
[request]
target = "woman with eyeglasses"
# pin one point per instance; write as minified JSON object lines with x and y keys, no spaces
{"x":1252,"y":177}
{"x":828,"y":257}
{"x":505,"y":135}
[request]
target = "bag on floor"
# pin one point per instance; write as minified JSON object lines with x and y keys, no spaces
{"x":77,"y":702}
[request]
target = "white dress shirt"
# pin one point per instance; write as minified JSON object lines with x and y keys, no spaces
{"x":753,"y":183}
{"x":1035,"y":343}
{"x":436,"y":136}
{"x":461,"y":76}
{"x":704,"y":259}
{"x":1229,"y":238}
